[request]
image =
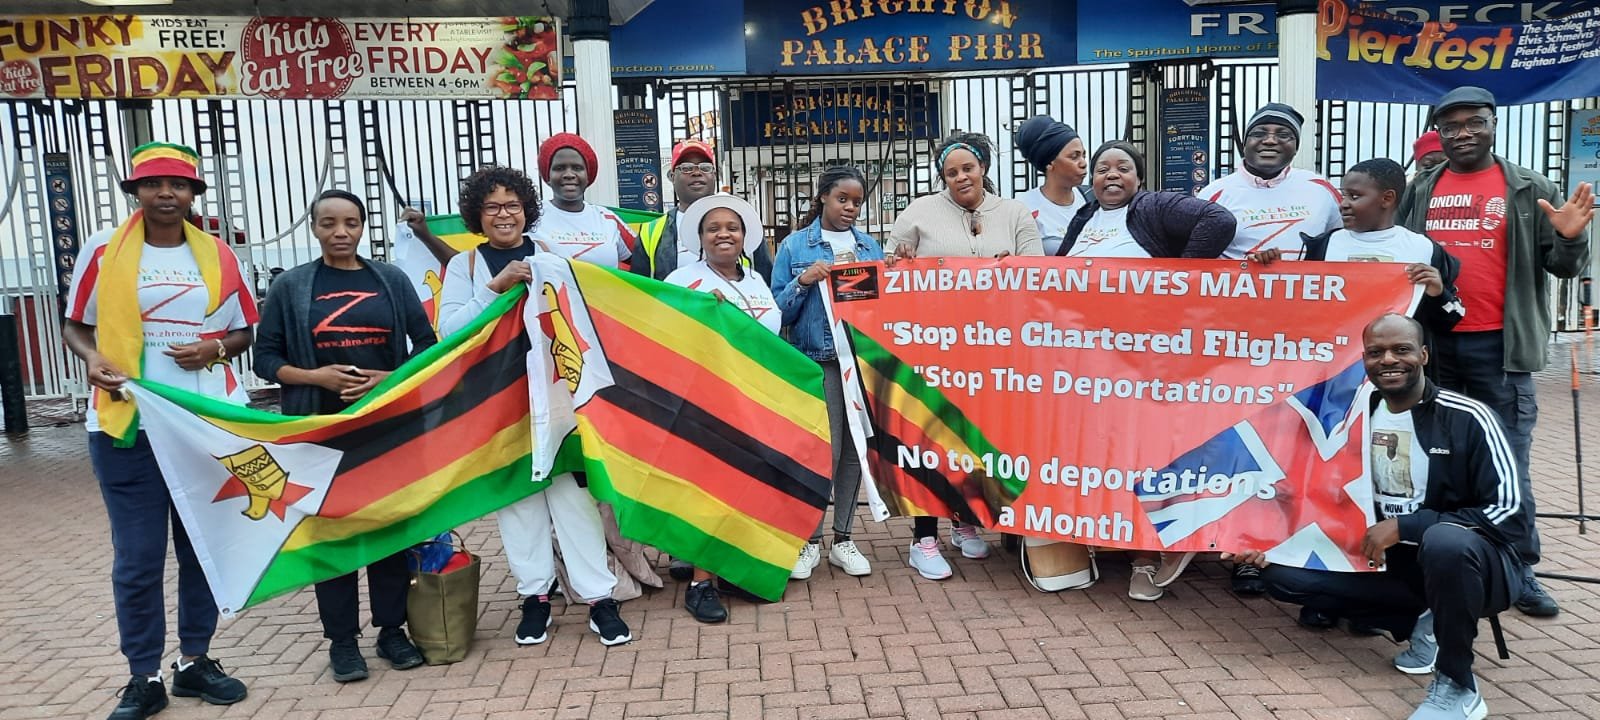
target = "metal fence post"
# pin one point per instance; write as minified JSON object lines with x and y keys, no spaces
{"x":12,"y":398}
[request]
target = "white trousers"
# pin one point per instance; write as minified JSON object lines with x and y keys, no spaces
{"x":525,"y":528}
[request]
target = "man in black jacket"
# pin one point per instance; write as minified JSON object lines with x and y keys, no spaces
{"x":1454,"y":530}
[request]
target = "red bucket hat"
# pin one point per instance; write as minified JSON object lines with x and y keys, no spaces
{"x":163,"y":160}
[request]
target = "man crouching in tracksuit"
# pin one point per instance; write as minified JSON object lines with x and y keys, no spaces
{"x":1455,"y":527}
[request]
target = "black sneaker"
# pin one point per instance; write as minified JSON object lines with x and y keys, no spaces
{"x":680,"y":570}
{"x":1247,"y":580}
{"x":394,"y":646}
{"x":1535,"y":602}
{"x":1317,"y":620}
{"x":344,"y":656}
{"x":534,"y":628}
{"x":141,"y":698}
{"x":701,"y":600}
{"x":606,"y":621}
{"x":205,"y":680}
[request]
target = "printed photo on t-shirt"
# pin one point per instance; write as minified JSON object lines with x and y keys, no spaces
{"x":1391,"y":463}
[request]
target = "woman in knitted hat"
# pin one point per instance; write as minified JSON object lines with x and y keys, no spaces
{"x":131,"y":314}
{"x":568,"y":226}
{"x":1055,"y":149}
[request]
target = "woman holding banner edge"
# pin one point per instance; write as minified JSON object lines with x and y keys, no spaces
{"x":827,"y":235}
{"x":966,"y":219}
{"x":1127,"y":221}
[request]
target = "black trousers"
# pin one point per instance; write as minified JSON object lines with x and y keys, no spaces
{"x":339,"y":601}
{"x":1455,"y":572}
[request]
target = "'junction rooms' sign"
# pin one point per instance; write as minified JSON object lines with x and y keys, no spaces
{"x":141,"y":56}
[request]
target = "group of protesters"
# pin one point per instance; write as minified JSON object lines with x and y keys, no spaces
{"x":1479,"y":233}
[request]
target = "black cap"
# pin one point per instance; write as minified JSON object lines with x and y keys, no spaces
{"x":1464,"y":96}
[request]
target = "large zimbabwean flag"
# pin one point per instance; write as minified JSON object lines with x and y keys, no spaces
{"x":708,"y":434}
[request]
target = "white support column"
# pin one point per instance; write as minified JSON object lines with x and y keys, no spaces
{"x":592,"y":65}
{"x":1297,"y":72}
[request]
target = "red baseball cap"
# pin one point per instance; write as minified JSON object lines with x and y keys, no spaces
{"x":692,"y":146}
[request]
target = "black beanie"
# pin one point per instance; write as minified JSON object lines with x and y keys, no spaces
{"x":1041,"y":138}
{"x":1277,"y":114}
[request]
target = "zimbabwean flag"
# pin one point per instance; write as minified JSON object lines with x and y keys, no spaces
{"x":706,"y":431}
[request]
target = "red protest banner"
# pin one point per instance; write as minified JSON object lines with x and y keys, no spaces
{"x":1188,"y":405}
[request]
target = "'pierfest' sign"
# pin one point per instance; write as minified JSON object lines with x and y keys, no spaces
{"x":284,"y":58}
{"x":1365,"y":53}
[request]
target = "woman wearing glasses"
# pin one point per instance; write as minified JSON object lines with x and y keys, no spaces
{"x":502,"y":204}
{"x":966,"y":219}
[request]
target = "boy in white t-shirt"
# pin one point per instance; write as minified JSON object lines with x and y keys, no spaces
{"x":1371,"y":192}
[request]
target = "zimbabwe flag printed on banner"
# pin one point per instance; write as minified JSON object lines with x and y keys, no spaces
{"x":706,"y":432}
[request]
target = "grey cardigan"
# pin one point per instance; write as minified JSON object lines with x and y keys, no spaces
{"x":284,"y":335}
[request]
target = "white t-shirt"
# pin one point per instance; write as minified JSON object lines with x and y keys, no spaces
{"x":842,"y":243}
{"x":594,"y":235}
{"x":688,"y":241}
{"x":172,"y":305}
{"x":1398,"y":463}
{"x":1303,"y":202}
{"x":751,"y":294}
{"x":1052,"y":219}
{"x":1106,"y":235}
{"x":1395,"y":244}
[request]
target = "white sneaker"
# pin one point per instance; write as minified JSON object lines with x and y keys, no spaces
{"x":845,"y":556}
{"x":810,"y":556}
{"x":966,"y":538}
{"x":925,"y":557}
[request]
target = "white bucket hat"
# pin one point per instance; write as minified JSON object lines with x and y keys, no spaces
{"x":754,"y":233}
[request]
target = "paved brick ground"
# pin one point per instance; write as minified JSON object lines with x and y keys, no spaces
{"x":979,"y":645}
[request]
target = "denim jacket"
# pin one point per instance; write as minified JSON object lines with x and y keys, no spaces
{"x":803,"y":313}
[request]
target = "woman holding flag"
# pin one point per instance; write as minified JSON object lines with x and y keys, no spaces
{"x":333,"y":329}
{"x":502,"y":204}
{"x":176,"y":309}
{"x":827,"y":235}
{"x":729,"y":229}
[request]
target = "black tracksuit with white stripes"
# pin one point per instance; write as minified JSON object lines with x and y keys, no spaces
{"x":1462,"y":552}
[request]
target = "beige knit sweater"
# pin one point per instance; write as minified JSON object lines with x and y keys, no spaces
{"x":935,"y":226}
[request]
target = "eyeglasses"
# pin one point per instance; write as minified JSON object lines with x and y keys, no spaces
{"x":510,"y":208}
{"x":1279,"y":135}
{"x":1472,"y":126}
{"x":704,"y":168}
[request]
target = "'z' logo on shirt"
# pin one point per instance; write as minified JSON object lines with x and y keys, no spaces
{"x":181,"y":290}
{"x":357,"y":297}
{"x":587,"y":246}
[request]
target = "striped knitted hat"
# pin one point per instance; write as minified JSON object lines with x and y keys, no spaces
{"x":164,"y":160}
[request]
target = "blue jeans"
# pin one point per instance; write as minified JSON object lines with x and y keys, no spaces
{"x":140,"y":509}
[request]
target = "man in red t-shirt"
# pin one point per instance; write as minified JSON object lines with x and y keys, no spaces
{"x":1502,"y":222}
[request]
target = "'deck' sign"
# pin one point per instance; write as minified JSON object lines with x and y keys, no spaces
{"x":805,"y":37}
